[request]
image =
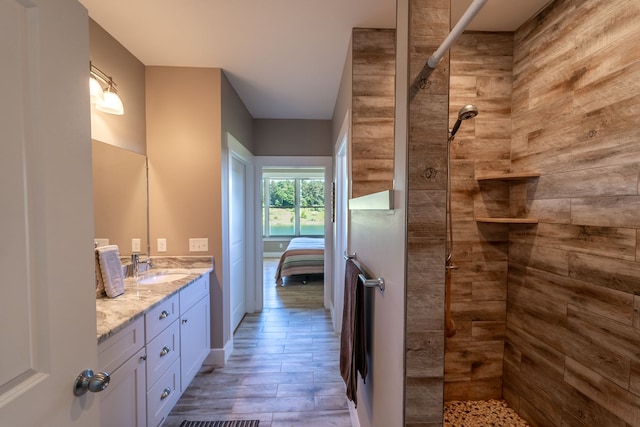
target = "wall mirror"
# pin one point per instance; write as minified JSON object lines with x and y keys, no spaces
{"x":120,"y":198}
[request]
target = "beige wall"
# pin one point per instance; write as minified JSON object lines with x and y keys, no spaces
{"x":127,"y":131}
{"x":280,"y":137}
{"x":573,"y":331}
{"x":185,"y":180}
{"x":184,"y":146}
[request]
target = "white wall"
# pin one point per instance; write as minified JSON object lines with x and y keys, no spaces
{"x":379,"y":239}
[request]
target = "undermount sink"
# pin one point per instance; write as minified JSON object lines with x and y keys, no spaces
{"x":163,"y":277}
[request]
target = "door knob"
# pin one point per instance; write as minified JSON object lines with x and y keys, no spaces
{"x":87,"y":380}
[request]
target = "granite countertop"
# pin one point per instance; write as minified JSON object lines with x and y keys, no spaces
{"x":113,"y":314}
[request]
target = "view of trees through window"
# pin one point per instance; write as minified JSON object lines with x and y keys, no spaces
{"x":293,"y":207}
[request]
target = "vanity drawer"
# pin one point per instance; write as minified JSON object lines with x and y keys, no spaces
{"x":194,"y":293}
{"x":161,"y":316}
{"x":163,"y":395}
{"x":162,"y":351}
{"x":119,"y":347}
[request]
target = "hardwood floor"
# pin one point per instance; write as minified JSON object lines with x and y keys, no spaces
{"x":284,"y":369}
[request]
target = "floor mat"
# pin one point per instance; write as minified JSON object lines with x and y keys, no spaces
{"x":235,"y":423}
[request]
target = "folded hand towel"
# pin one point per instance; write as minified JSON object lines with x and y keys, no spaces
{"x":99,"y":282}
{"x":111,"y":270}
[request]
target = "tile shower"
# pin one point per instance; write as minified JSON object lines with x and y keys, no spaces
{"x":546,"y":313}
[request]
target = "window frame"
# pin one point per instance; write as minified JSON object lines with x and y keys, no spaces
{"x":297,"y":176}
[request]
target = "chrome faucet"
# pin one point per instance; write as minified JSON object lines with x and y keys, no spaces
{"x":135,"y":264}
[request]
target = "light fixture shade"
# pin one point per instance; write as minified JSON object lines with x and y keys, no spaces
{"x":112,"y":104}
{"x":96,"y":92}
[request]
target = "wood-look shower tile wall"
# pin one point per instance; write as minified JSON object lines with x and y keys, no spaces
{"x":573,"y":331}
{"x":481,"y":74}
{"x":373,"y":110}
{"x":428,"y":123}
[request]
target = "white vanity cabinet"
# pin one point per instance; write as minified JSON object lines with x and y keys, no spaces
{"x":194,"y":329}
{"x":123,"y":402}
{"x":153,"y":359}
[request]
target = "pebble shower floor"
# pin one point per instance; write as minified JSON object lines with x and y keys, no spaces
{"x":481,"y":413}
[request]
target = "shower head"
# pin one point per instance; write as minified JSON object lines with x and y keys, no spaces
{"x":467,"y":112}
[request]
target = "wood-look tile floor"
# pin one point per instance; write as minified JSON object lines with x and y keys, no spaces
{"x":284,"y":369}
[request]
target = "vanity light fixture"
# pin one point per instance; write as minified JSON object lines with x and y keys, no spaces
{"x":103,"y":92}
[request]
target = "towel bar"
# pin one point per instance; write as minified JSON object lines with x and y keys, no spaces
{"x":372,"y":283}
{"x":349,"y":256}
{"x":368,"y":283}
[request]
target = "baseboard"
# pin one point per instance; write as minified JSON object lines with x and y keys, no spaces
{"x":272,"y":254}
{"x":353,"y":413}
{"x":332,"y":311}
{"x":218,"y":357}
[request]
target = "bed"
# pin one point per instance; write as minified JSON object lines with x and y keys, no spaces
{"x":303,"y":256}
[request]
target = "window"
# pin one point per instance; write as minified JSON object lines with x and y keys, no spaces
{"x":293,"y":203}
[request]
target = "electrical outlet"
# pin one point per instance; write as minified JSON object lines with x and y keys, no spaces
{"x":135,"y":245}
{"x":100,"y":242}
{"x":281,"y":246}
{"x":199,"y":245}
{"x":162,"y":245}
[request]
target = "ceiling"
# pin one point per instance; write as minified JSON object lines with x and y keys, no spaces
{"x":283,"y":57}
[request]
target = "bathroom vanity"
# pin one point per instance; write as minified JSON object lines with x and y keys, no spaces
{"x":152,"y":340}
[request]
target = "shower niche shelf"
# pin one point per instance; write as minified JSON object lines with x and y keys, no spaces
{"x":506,"y":220}
{"x":517,"y":176}
{"x":507,"y":176}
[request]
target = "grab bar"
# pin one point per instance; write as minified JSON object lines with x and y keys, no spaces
{"x":368,"y":283}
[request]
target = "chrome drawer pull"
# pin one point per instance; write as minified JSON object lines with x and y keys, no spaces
{"x":164,"y":314}
{"x":165,"y":351}
{"x":165,"y":393}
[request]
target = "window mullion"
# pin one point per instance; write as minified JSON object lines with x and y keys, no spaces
{"x":297,"y":208}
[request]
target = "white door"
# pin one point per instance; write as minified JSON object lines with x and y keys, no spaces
{"x":47,"y":308}
{"x":238,"y":241}
{"x":340,"y":238}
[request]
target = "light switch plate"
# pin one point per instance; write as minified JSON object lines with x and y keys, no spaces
{"x":135,"y":245}
{"x":199,"y":244}
{"x":100,"y":242}
{"x":162,"y":245}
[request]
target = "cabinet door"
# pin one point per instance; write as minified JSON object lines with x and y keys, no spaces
{"x":194,"y":340}
{"x":123,"y":403}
